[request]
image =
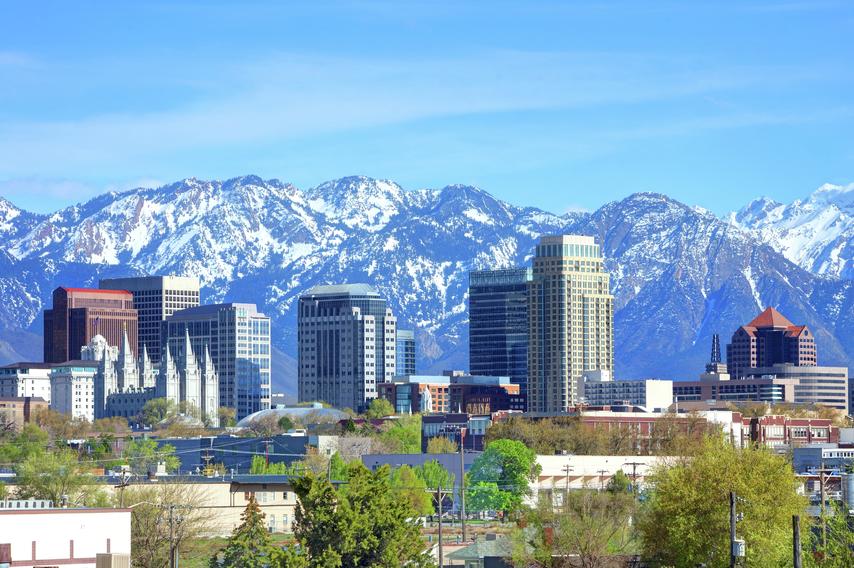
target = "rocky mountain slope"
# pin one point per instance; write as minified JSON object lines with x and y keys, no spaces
{"x":816,"y":233}
{"x":680,"y":273}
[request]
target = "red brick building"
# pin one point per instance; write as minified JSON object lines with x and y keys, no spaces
{"x":770,"y":339}
{"x":78,"y":314}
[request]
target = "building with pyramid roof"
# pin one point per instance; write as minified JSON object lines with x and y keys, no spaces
{"x":770,"y":339}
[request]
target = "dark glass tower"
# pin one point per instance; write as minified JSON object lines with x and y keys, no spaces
{"x":498,"y":324}
{"x":405,"y":352}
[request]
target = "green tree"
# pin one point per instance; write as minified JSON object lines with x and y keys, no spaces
{"x":337,"y":468}
{"x":30,"y":440}
{"x":143,"y":455}
{"x":619,"y":483}
{"x":839,"y":550}
{"x":408,"y":485}
{"x":685,"y":521}
{"x":365,"y":526}
{"x":227,"y":416}
{"x":442,"y":445}
{"x":379,"y":408}
{"x":510,"y":465}
{"x":250,"y":545}
{"x":56,"y":476}
{"x":403,"y":435}
{"x":588,"y":528}
{"x":157,"y":410}
{"x":285,"y":423}
{"x":435,"y":475}
{"x":485,"y":496}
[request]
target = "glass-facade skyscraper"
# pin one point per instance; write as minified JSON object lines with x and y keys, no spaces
{"x":498,"y":324}
{"x":405,"y":352}
{"x":238,"y":338}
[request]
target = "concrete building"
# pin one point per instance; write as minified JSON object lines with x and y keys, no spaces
{"x":72,"y":387}
{"x":451,"y":392}
{"x":79,"y":314}
{"x":405,"y":352}
{"x":346,"y":345}
{"x":187,"y":380}
{"x":599,"y":389}
{"x":498,"y":324}
{"x":155,"y":298}
{"x":770,"y":339}
{"x":571,"y":316}
{"x":25,"y":380}
{"x":813,"y":384}
{"x":237,"y":338}
{"x":19,"y":410}
{"x":47,"y":536}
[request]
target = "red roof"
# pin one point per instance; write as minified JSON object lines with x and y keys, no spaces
{"x":96,"y":291}
{"x":770,"y":318}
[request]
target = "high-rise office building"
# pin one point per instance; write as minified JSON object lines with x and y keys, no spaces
{"x":498,"y":324}
{"x":570,"y":315}
{"x":405,"y":347}
{"x":346,"y":344}
{"x":770,"y":339}
{"x":79,"y":314}
{"x":237,"y":337}
{"x":155,"y":298}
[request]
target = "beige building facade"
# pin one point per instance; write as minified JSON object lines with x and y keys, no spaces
{"x":570,"y":318}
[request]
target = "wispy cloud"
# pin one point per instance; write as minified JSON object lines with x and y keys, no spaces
{"x":16,"y":59}
{"x":293,"y":95}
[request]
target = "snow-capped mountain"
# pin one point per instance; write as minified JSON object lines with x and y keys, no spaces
{"x":679,"y":273}
{"x":816,"y":233}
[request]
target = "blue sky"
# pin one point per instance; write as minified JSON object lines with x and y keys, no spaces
{"x":560,"y":105}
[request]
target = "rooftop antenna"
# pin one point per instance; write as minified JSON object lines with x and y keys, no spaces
{"x":716,"y":349}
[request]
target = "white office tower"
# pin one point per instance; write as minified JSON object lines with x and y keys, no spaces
{"x":155,"y":298}
{"x":570,"y":319}
{"x":188,"y":383}
{"x":72,"y":386}
{"x":346,"y":345}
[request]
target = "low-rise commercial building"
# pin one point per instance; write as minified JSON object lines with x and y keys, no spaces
{"x":47,"y":536}
{"x":18,"y":410}
{"x":471,"y":428}
{"x":600,"y":389}
{"x":827,"y":386}
{"x":454,"y":391}
{"x":559,"y":474}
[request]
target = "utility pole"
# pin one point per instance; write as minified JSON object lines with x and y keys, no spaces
{"x":796,"y":541}
{"x":462,"y":484}
{"x":441,"y":557}
{"x":173,"y":563}
{"x":634,"y":476}
{"x":823,"y":476}
{"x":732,"y":529}
{"x":602,"y":473}
{"x":566,"y":469}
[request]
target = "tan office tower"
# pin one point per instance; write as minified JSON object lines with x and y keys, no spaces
{"x":570,"y":319}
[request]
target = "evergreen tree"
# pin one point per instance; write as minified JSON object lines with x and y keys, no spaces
{"x":249,"y":545}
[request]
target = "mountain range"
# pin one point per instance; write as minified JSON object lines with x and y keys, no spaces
{"x":679,"y":273}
